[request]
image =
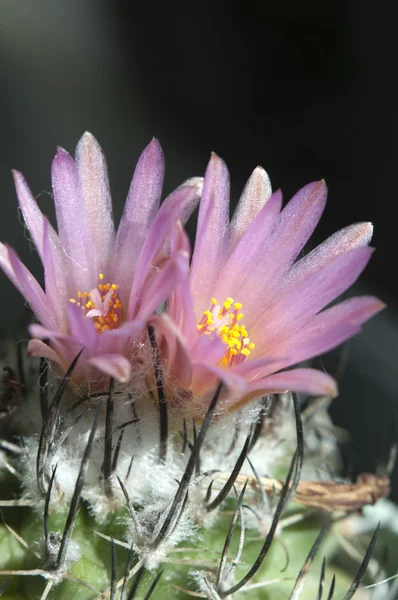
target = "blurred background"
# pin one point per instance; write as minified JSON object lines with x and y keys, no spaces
{"x":308,"y":90}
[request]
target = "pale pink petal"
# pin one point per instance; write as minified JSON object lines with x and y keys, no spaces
{"x":327,"y":330}
{"x":39,"y":348}
{"x":43,"y":333}
{"x":82,"y":328}
{"x":162,"y":284}
{"x":208,"y":350}
{"x":122,"y":339}
{"x":181,"y":310}
{"x":93,"y":174}
{"x":114,"y":365}
{"x":55,"y":279}
{"x":293,"y":309}
{"x":212,"y":232}
{"x":173,"y":349}
{"x":7,"y":267}
{"x":180,"y":303}
{"x":354,"y":236}
{"x":178,"y":203}
{"x":30,"y":289}
{"x":34,"y":220}
{"x":65,"y":346}
{"x":141,"y":206}
{"x":248,"y":255}
{"x":205,"y":378}
{"x":256,"y":193}
{"x":296,"y":223}
{"x":307,"y":381}
{"x":73,"y":228}
{"x":323,"y":332}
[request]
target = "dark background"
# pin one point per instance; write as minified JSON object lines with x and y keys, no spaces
{"x":306,"y":89}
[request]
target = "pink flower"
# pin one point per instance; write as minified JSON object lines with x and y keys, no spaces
{"x":250,"y":310}
{"x":100,"y":286}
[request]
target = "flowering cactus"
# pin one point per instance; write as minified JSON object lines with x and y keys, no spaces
{"x":154,"y":444}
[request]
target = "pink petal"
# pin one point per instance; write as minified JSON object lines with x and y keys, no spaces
{"x":180,"y":309}
{"x":43,"y":333}
{"x":173,"y":349}
{"x":327,"y":330}
{"x":354,"y":236}
{"x":55,"y":280}
{"x":289,"y":312}
{"x":114,"y":365}
{"x":34,"y":219}
{"x":82,"y":328}
{"x":323,"y":332}
{"x":29,"y":288}
{"x":93,"y":174}
{"x":73,"y":227}
{"x":269,"y":267}
{"x":140,"y":210}
{"x":308,"y":381}
{"x":206,"y":377}
{"x":39,"y":348}
{"x":66,"y":347}
{"x":122,"y":339}
{"x":249,"y":255}
{"x":177,"y":204}
{"x":297,"y":223}
{"x":212,"y":233}
{"x":208,"y":350}
{"x":162,"y":284}
{"x":256,"y":193}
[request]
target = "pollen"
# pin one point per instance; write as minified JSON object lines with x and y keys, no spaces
{"x":224,"y":319}
{"x":102,"y":305}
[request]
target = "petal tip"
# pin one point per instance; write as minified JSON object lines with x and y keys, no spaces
{"x":61,"y":155}
{"x":88,"y":143}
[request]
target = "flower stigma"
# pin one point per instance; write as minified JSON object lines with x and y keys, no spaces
{"x":225,"y":321}
{"x":102,"y":305}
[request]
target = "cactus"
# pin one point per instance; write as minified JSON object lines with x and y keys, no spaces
{"x":154,"y":444}
{"x":202,"y":521}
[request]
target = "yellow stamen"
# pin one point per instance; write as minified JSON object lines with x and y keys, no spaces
{"x":225,"y":322}
{"x":112,"y":318}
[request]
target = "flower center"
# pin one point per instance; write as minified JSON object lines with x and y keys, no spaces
{"x":225,"y":321}
{"x":102,"y":305}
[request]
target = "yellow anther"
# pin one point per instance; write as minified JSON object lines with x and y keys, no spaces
{"x":227,"y":303}
{"x":225,"y":322}
{"x":209,"y":317}
{"x":101,"y":303}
